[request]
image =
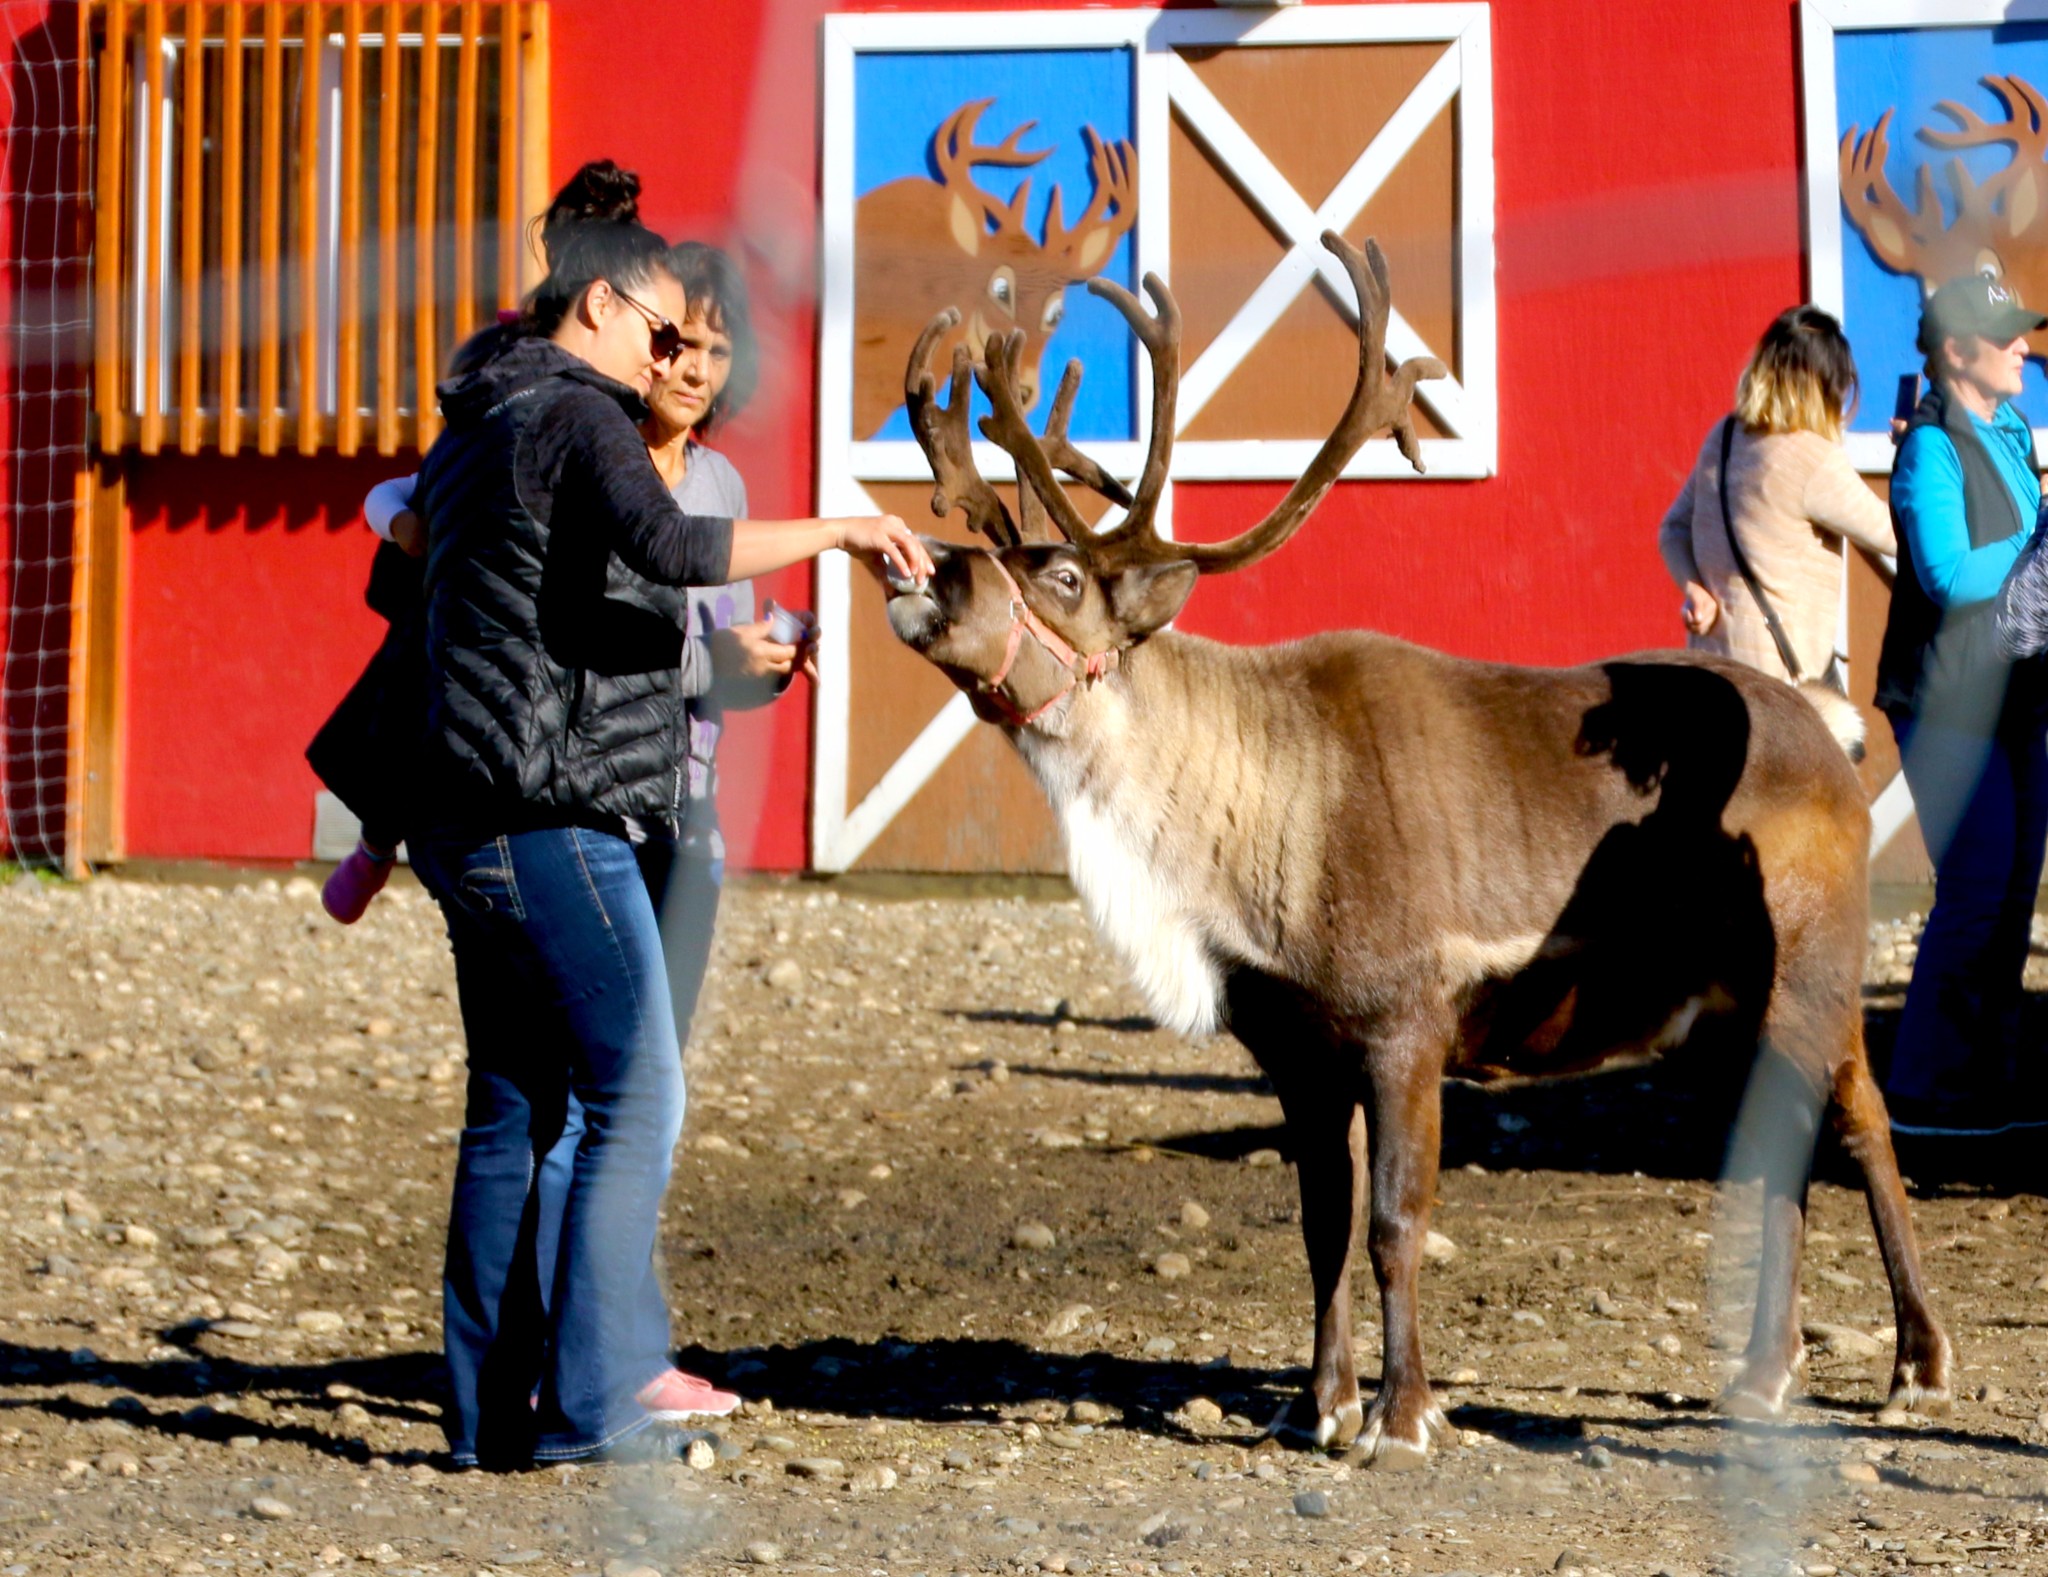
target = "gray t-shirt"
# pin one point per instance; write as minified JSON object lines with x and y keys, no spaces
{"x":710,"y":487}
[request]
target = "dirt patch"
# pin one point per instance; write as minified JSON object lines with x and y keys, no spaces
{"x":1016,"y":1277}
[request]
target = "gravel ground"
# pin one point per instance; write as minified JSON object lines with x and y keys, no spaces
{"x":1014,"y":1278}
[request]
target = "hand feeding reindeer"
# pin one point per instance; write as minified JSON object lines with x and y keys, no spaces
{"x":1378,"y":865}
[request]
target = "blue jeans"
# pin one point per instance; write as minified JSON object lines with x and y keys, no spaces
{"x":565,"y":999}
{"x":1983,"y":809}
{"x":685,"y":891}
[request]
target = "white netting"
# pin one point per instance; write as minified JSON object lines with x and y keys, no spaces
{"x":43,"y":371}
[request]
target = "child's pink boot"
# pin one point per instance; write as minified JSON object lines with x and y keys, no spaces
{"x":356,"y":880}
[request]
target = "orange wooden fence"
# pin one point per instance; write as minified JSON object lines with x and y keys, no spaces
{"x":260,"y":209}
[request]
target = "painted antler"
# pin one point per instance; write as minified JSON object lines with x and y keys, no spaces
{"x":956,"y":153}
{"x":2019,"y":185}
{"x":1378,"y":402}
{"x":1902,"y":238}
{"x":942,"y":435}
{"x":1114,"y":169}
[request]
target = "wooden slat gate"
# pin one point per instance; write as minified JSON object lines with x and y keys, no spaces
{"x":299,"y":211}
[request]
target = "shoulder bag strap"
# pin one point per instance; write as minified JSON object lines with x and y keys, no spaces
{"x":1763,"y":603}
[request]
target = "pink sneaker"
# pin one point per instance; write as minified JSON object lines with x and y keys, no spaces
{"x":672,"y":1396}
{"x":356,"y":880}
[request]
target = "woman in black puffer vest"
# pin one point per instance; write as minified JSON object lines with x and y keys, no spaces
{"x":554,"y":732}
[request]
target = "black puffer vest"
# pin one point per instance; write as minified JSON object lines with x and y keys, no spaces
{"x":1943,"y":664}
{"x":552,"y":668}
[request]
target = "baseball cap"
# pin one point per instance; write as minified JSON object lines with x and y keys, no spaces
{"x":1976,"y":304}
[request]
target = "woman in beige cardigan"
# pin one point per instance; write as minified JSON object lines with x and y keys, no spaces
{"x":1794,"y":496}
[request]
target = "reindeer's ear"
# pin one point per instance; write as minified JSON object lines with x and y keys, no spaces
{"x":966,"y":226}
{"x":1146,"y":596}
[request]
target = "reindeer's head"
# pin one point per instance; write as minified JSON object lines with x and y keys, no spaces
{"x":2001,"y":224}
{"x":1001,"y":280}
{"x":1023,"y":624}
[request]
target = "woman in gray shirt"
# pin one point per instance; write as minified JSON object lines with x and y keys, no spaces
{"x":731,"y":660}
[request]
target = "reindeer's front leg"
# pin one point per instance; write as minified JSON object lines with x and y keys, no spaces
{"x":1316,"y":1076}
{"x":1326,"y":1128}
{"x":1406,"y":1105}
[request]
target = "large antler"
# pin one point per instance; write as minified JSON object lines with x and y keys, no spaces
{"x":1037,"y":459}
{"x":1378,"y":402}
{"x":2025,"y":131}
{"x":956,"y":153}
{"x":942,"y":435}
{"x":1902,"y":238}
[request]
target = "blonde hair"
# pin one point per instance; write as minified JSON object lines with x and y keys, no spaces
{"x":1801,"y":377}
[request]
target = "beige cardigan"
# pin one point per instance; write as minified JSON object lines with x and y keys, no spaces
{"x":1795,"y":496}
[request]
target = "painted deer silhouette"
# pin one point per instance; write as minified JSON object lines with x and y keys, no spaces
{"x":923,"y":246}
{"x":2001,"y":223}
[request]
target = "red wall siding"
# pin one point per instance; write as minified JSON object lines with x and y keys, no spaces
{"x":246,"y":625}
{"x":1648,"y":224}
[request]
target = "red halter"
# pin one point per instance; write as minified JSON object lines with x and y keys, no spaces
{"x":1079,"y":668}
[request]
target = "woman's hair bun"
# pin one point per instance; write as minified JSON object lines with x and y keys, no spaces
{"x":595,"y":194}
{"x":590,"y":231}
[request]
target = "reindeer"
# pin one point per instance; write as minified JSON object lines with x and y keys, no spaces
{"x":1378,"y":865}
{"x":2001,"y":225}
{"x":925,"y":245}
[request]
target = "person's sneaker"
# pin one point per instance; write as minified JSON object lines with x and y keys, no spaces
{"x":672,"y":1396}
{"x":356,"y":880}
{"x":1917,"y":1117}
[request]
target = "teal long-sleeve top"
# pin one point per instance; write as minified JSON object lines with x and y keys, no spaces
{"x":1927,"y":491}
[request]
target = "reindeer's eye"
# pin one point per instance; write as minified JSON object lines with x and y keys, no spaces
{"x":1066,"y":579}
{"x":1002,"y":290}
{"x":1055,"y":309}
{"x":1989,"y":266}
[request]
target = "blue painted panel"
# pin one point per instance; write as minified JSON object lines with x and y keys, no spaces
{"x":900,"y":99}
{"x":1909,"y":70}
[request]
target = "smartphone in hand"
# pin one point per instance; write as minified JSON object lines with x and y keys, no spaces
{"x":1908,"y":400}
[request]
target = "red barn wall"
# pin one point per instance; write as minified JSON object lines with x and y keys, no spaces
{"x":1648,"y":226}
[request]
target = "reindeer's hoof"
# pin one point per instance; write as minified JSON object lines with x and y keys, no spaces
{"x":1341,"y":1427}
{"x":1388,"y":1445}
{"x":1920,"y":1378}
{"x":1911,"y":1399}
{"x":1757,"y":1393}
{"x":1390,"y":1456}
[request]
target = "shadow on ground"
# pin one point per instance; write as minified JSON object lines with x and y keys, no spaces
{"x":1668,"y":1121}
{"x":949,"y":1381}
{"x":403,"y":1389}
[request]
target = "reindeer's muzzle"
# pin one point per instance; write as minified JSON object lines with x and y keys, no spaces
{"x":919,"y":613}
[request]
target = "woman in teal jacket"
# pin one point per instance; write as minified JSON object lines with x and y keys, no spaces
{"x":1970,"y":722}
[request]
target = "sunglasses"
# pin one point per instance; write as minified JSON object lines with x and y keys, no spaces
{"x":663,"y":337}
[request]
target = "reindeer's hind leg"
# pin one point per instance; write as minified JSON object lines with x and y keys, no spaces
{"x":1406,"y":1113}
{"x":1774,"y":1140}
{"x":1920,"y":1372}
